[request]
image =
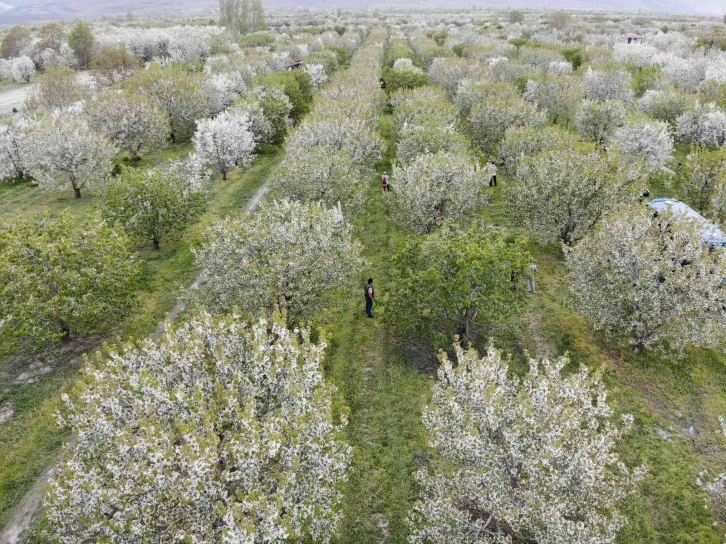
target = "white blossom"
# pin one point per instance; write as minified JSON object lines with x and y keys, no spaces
{"x":64,"y":151}
{"x":703,"y":127}
{"x":225,"y":141}
{"x":518,"y":460}
{"x":131,"y":121}
{"x":561,"y":194}
{"x":317,"y":74}
{"x":650,"y":141}
{"x":651,"y":280}
{"x":433,"y":188}
{"x":12,"y":140}
{"x":289,"y":256}
{"x":597,"y":120}
{"x":223,"y":432}
{"x":610,"y":85}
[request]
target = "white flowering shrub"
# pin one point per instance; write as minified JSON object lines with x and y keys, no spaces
{"x":322,"y":174}
{"x":291,"y":256}
{"x":597,"y":120}
{"x":434,"y":188}
{"x":663,"y":105}
{"x":362,"y":144}
{"x":562,"y":194}
{"x":222,"y":432}
{"x":489,"y":120}
{"x":703,"y":126}
{"x":650,"y":141}
{"x":608,"y":85}
{"x":684,"y":73}
{"x":12,"y":158}
{"x":50,"y":58}
{"x":448,"y":72}
{"x":317,"y":73}
{"x":222,"y":90}
{"x":650,"y":281}
{"x":520,"y":460}
{"x":225,"y":142}
{"x":522,"y":142}
{"x":639,"y":55}
{"x":131,"y":121}
{"x":63,"y":151}
{"x":559,"y":68}
{"x":23,"y":68}
{"x":429,"y":139}
{"x":558,"y":97}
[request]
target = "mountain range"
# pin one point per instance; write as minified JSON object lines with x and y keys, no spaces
{"x":18,"y":11}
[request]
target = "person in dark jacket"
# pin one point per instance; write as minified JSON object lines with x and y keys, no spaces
{"x":370,"y":297}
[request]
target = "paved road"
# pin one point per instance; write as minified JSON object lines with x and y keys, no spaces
{"x":15,"y":98}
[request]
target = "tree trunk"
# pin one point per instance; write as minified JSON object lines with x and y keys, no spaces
{"x":224,"y":175}
{"x":66,"y":330}
{"x":77,"y":190}
{"x":157,"y":245}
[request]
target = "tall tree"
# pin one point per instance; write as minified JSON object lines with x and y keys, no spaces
{"x":132,"y":121}
{"x":51,"y":36}
{"x":242,"y":15}
{"x":225,"y":142}
{"x":435,"y":188}
{"x":222,"y":432}
{"x":56,"y":90}
{"x":520,"y":461}
{"x":562,"y":194}
{"x":650,"y":281}
{"x":62,"y":280}
{"x":152,"y":205}
{"x":456,"y":281}
{"x":112,"y":65}
{"x":64,"y":151}
{"x":82,"y":40}
{"x":14,"y":42}
{"x":288,"y":256}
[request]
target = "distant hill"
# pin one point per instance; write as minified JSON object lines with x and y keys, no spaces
{"x":15,"y":11}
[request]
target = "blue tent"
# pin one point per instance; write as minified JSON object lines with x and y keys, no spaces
{"x":711,"y":234}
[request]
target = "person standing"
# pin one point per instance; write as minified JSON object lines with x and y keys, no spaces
{"x":370,"y":297}
{"x":531,"y":285}
{"x":385,"y":180}
{"x":491,"y":169}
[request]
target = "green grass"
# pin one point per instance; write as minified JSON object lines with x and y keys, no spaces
{"x":663,"y":393}
{"x":382,"y":391}
{"x":31,"y":440}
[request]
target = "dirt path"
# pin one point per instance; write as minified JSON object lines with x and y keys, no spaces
{"x":251,"y":206}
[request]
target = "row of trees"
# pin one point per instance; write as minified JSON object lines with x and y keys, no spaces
{"x":259,"y":453}
{"x":502,"y":467}
{"x":74,"y":145}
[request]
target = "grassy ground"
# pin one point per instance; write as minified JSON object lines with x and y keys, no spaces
{"x":31,"y":440}
{"x":382,"y":390}
{"x":676,"y":403}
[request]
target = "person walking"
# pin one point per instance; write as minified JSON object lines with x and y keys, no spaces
{"x":385,"y":180}
{"x":531,"y":285}
{"x":370,"y":297}
{"x":491,"y":169}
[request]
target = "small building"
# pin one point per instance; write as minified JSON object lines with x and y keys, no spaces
{"x":294,"y":65}
{"x":633,"y":38}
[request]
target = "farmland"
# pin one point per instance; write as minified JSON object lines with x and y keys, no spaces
{"x":191,"y":212}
